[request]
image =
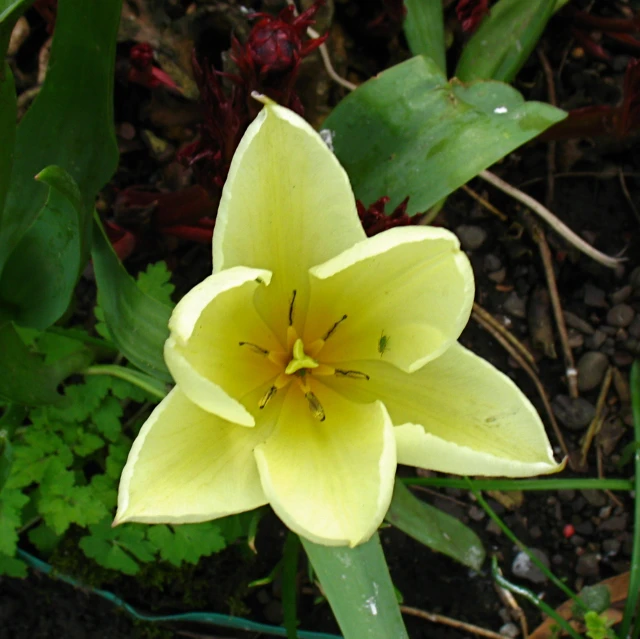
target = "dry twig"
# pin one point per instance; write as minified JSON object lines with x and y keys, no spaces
{"x":508,"y":335}
{"x":557,"y":225}
{"x":487,"y":205}
{"x":551,"y":146}
{"x":547,"y":264}
{"x":326,"y":59}
{"x":448,"y":621}
{"x":598,"y":417}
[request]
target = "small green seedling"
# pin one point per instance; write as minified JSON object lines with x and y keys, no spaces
{"x":383,"y":343}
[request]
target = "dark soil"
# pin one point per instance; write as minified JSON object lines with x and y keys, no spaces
{"x":589,"y":198}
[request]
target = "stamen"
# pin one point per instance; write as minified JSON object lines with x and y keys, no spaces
{"x":293,"y":299}
{"x":282,"y":381}
{"x":266,"y":398}
{"x":352,"y":374}
{"x":330,"y":332}
{"x":255,"y":348}
{"x":316,"y":407}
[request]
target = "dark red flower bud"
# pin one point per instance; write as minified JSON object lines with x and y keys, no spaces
{"x":276,"y":44}
{"x":470,"y":13}
{"x":141,"y":56}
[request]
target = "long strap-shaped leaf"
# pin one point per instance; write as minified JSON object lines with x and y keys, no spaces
{"x":357,"y":584}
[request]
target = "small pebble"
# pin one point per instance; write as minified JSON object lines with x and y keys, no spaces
{"x":567,"y":495}
{"x":588,"y":565}
{"x":578,"y":323}
{"x":634,"y":327}
{"x":498,"y":276}
{"x":614,"y":524}
{"x":492,"y":263}
{"x":515,"y":305}
{"x":611,"y":547}
{"x":535,"y":532}
{"x":620,"y":315}
{"x":622,"y":359}
{"x":509,"y":630}
{"x":594,"y":296}
{"x":585,"y":528}
{"x":471,"y":237}
{"x":574,"y":338}
{"x":476,"y":513}
{"x":591,"y":369}
{"x":524,"y":568}
{"x":621,"y":295}
{"x":595,"y":341}
{"x":575,"y":414}
{"x":594,"y":497}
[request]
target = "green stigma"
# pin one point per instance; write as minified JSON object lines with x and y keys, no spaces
{"x":300,"y":359}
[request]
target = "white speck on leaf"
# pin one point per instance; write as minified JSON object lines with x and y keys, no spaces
{"x":371,"y":604}
{"x":501,"y":109}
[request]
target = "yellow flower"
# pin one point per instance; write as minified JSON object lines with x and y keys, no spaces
{"x":314,"y":359}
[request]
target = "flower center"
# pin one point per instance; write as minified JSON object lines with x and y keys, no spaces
{"x":301,"y":363}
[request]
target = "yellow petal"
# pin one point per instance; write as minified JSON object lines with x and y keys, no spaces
{"x":203,"y":351}
{"x":287,"y":205}
{"x":407,"y":294}
{"x":458,"y":414}
{"x":329,"y":481}
{"x":187,"y":465}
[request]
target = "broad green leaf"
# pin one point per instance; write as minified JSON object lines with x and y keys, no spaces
{"x":504,"y":40}
{"x":24,"y":378}
{"x":6,"y":457}
{"x":139,"y":324}
{"x":39,"y":277}
{"x":7,"y":130}
{"x":434,"y":528}
{"x":70,"y":125}
{"x":424,"y":29}
{"x":357,"y":584}
{"x":410,"y":132}
{"x":10,"y":11}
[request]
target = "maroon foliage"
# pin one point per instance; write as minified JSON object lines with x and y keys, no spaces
{"x":470,"y":13}
{"x":375,"y":220}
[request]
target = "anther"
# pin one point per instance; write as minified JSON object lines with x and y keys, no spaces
{"x":266,"y":398}
{"x":316,"y":407}
{"x":331,"y":331}
{"x":255,"y":348}
{"x":293,"y":299}
{"x":352,"y":374}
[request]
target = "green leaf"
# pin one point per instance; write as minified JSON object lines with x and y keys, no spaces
{"x":357,"y":584}
{"x":504,"y":40}
{"x":11,"y":504}
{"x":63,"y":503}
{"x":8,"y":117}
{"x":24,"y":378}
{"x":187,"y":542}
{"x":70,"y":125}
{"x":139,"y":324}
{"x":155,"y":281}
{"x":117,"y":548}
{"x":39,"y":277}
{"x":6,"y":457}
{"x":43,"y":538}
{"x":424,"y":29}
{"x":12,"y":567}
{"x":33,"y":456}
{"x":434,"y":528}
{"x":409,"y":132}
